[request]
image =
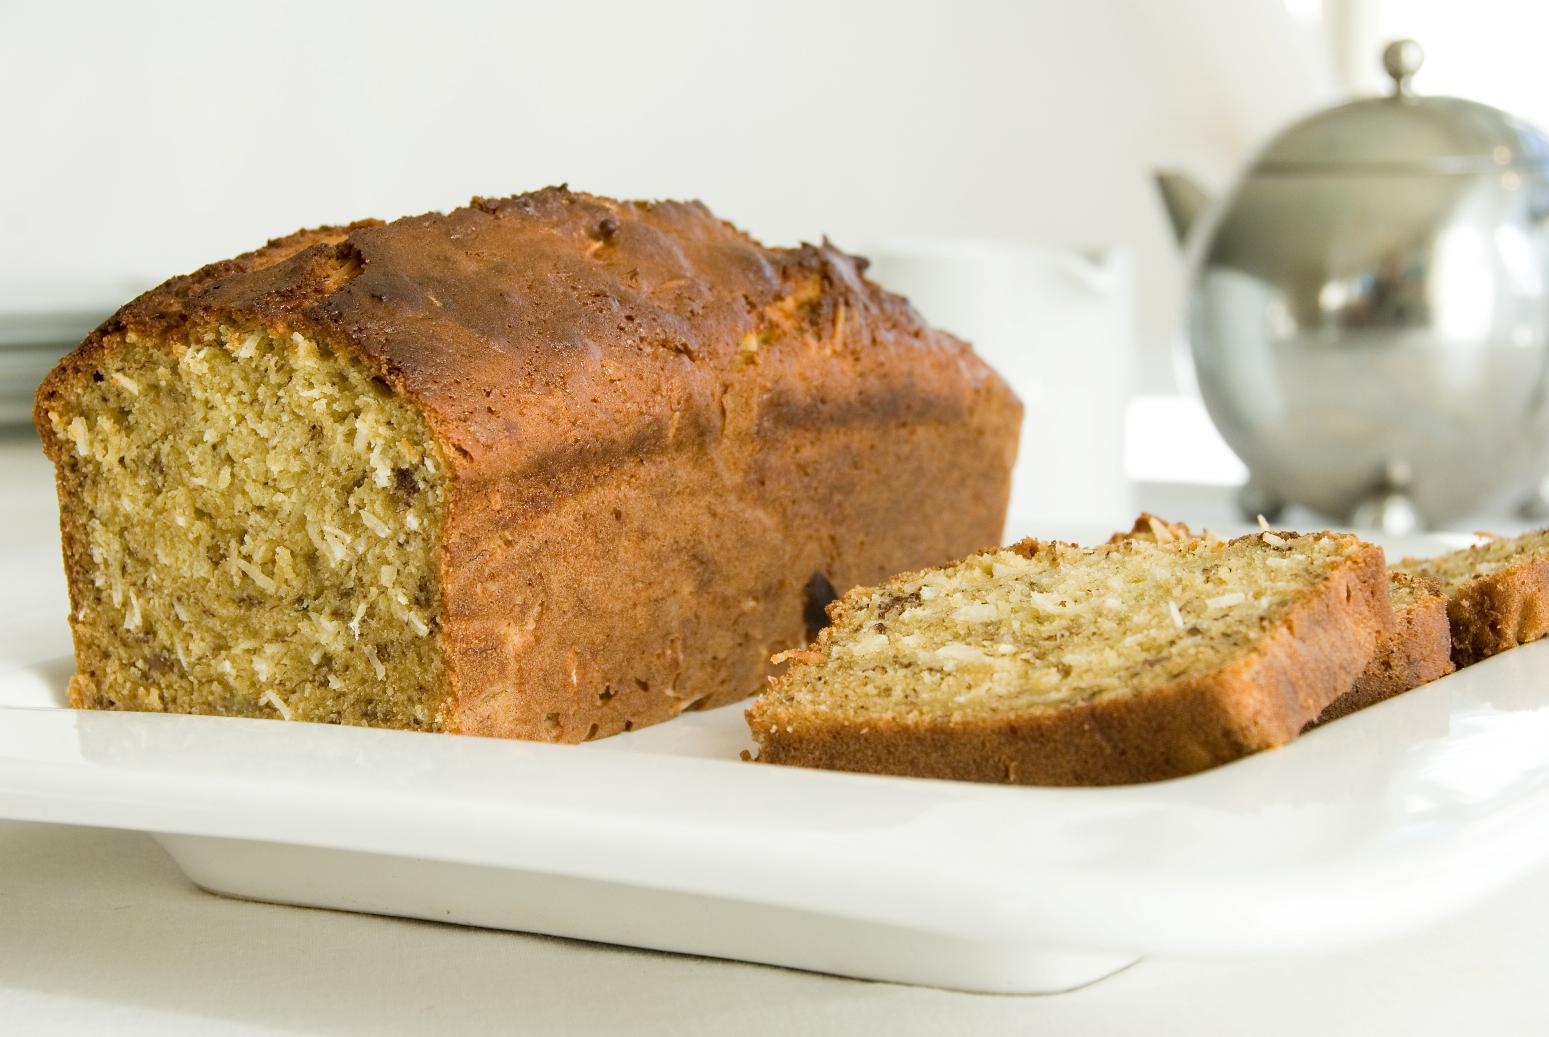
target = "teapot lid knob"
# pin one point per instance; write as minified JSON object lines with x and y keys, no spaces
{"x":1402,"y":59}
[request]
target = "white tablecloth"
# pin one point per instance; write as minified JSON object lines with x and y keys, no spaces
{"x":100,"y":933}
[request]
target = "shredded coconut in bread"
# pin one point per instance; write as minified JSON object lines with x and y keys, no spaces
{"x":1019,"y":635}
{"x":263,"y":525}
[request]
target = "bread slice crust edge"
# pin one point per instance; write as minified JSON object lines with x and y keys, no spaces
{"x":1507,"y":608}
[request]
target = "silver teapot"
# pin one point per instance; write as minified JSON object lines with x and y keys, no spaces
{"x":1368,"y":312}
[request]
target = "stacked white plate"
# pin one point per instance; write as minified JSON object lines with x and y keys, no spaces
{"x":40,"y":324}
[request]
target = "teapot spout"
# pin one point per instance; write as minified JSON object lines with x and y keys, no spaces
{"x":1184,"y":199}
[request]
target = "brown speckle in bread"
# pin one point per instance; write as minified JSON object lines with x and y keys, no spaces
{"x":820,"y":595}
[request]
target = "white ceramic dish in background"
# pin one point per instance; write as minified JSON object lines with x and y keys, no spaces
{"x":1059,"y":327}
{"x":41,"y":322}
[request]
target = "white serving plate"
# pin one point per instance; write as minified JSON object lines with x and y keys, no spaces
{"x":1378,"y":824}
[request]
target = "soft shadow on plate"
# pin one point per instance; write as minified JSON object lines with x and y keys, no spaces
{"x":41,"y":685}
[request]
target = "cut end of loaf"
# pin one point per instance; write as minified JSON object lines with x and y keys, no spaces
{"x":256,"y":532}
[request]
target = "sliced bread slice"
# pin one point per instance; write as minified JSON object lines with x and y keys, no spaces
{"x":1416,"y":652}
{"x":1051,"y":664}
{"x":1497,"y":593}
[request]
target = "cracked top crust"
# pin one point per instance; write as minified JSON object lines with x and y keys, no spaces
{"x":554,"y":327}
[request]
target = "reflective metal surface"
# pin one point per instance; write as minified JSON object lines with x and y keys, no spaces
{"x":1370,"y":298}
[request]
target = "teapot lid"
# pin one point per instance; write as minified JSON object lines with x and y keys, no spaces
{"x":1406,"y":134}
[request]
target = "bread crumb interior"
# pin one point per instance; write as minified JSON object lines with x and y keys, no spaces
{"x":1406,"y":591}
{"x":1456,"y":568}
{"x":1005,"y":631}
{"x":262,"y":526}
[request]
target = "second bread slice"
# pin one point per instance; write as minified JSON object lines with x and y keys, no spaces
{"x":1050,"y":664}
{"x":1415,"y":653}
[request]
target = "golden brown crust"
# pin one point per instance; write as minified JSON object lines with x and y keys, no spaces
{"x":1415,"y":653}
{"x":1507,"y":608}
{"x":1154,"y":530}
{"x":1262,"y":700}
{"x":659,"y":433}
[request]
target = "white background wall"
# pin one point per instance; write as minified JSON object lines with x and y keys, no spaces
{"x":1489,"y":50}
{"x":141,"y":140}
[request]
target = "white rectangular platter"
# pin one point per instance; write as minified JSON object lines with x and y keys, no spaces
{"x":1377,"y":824}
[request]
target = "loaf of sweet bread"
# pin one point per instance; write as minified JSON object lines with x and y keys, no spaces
{"x":547,"y":467}
{"x":1051,"y":664}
